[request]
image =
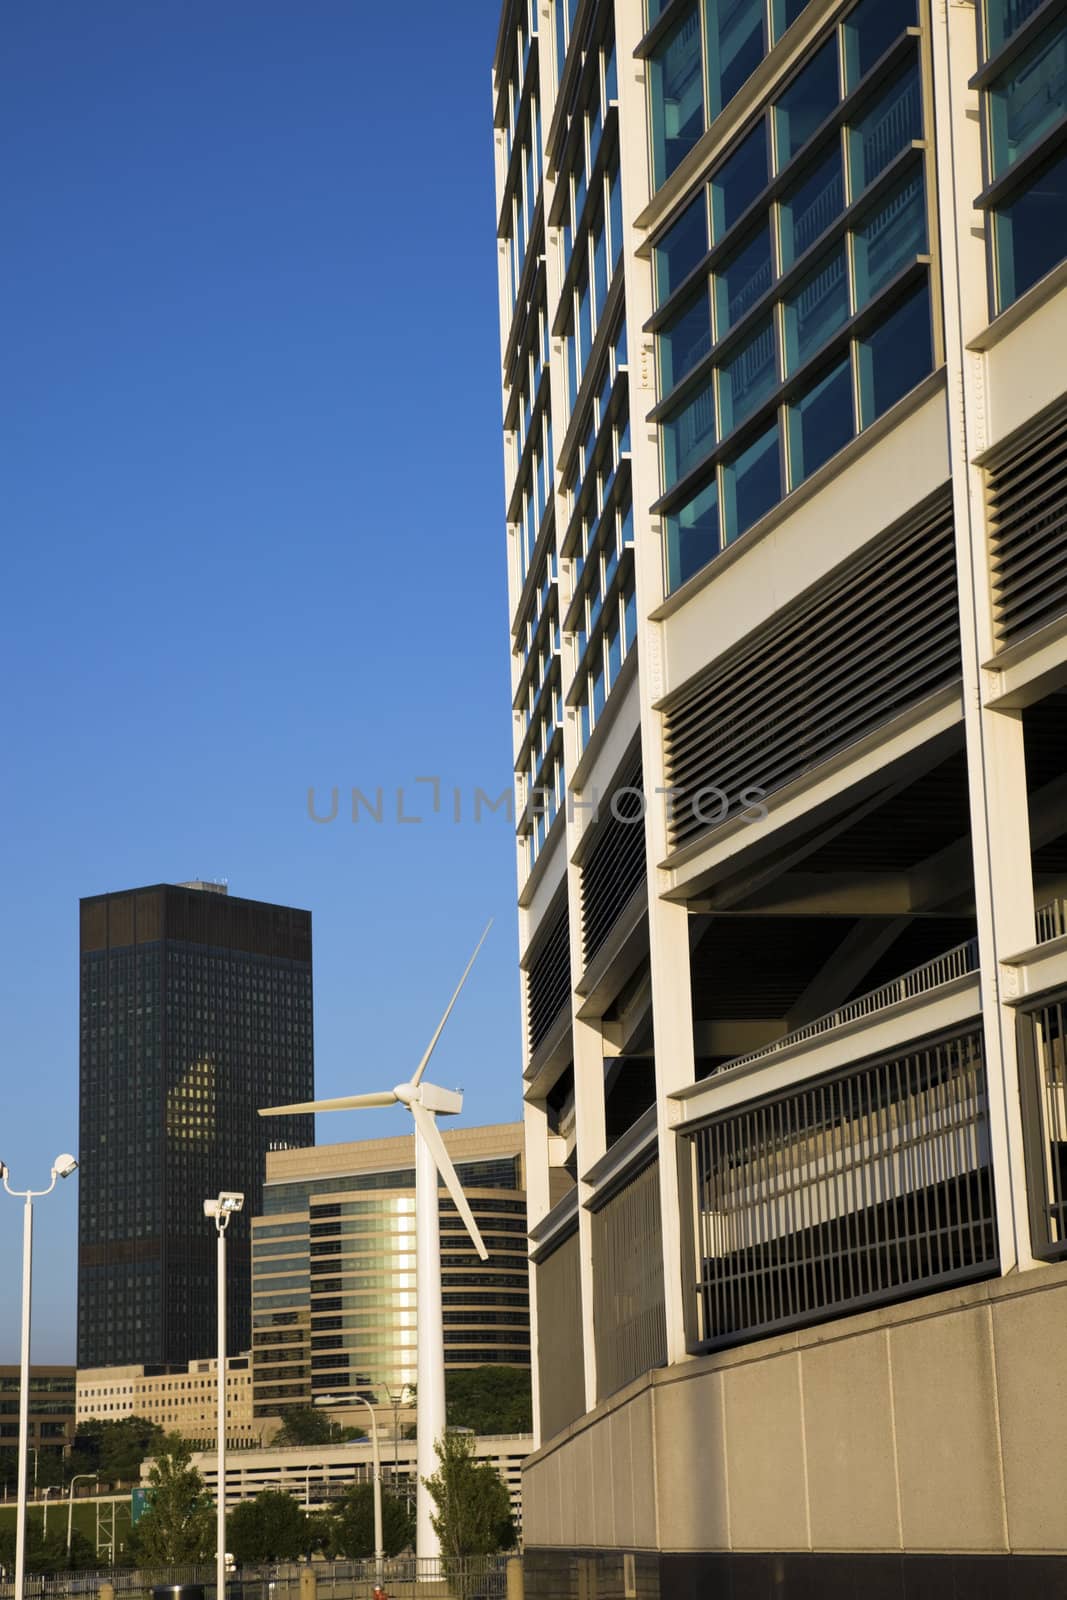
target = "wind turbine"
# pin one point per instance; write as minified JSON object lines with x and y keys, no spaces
{"x":426,"y":1102}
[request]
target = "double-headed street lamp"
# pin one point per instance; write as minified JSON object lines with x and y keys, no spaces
{"x":379,"y":1542}
{"x":62,"y":1167}
{"x":221,"y":1209}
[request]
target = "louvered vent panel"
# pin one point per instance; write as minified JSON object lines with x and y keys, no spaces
{"x":614,"y":866}
{"x":548,"y":978}
{"x":879,"y":636}
{"x":1028,"y":530}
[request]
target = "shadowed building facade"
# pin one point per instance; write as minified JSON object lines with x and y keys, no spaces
{"x":196,"y":1009}
{"x":783,"y":301}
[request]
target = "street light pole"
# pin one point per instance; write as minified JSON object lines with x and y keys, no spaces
{"x":46,"y":1493}
{"x":379,"y":1540}
{"x":70,"y":1505}
{"x":221,"y":1209}
{"x":62,"y":1167}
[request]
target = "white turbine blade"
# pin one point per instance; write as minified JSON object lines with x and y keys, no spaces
{"x":427,"y":1126}
{"x":421,"y":1068}
{"x":347,"y":1102}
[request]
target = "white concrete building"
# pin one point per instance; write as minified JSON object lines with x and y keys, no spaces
{"x":181,"y":1399}
{"x":783,"y":294}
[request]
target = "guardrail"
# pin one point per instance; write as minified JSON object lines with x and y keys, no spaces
{"x":1051,"y":920}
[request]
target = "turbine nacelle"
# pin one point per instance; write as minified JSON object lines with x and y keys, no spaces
{"x":443,"y":1102}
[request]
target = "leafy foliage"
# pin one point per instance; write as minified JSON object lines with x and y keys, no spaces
{"x":46,"y":1554}
{"x":272,"y":1527}
{"x":310,"y":1425}
{"x":179,"y":1525}
{"x":116,"y":1449}
{"x":490,"y":1399}
{"x":352,"y":1524}
{"x":473,"y":1515}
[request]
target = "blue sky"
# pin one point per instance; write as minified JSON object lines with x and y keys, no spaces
{"x":252,"y":527}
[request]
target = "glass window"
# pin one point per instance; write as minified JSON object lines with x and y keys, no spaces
{"x":1004,"y":18}
{"x":887,"y":126}
{"x":1031,"y":232}
{"x":1028,"y":98}
{"x":806,"y":104}
{"x":749,"y":377}
{"x":615,"y":210}
{"x":684,"y":340}
{"x":614,"y":652}
{"x":739,"y":180}
{"x":815,"y":310}
{"x":892,"y":236}
{"x":688,"y":435}
{"x":820,"y":422}
{"x":681,"y":247}
{"x":895,"y":356}
{"x":736,"y":46}
{"x":752,"y":484}
{"x":692,"y":535}
{"x":677,"y":87}
{"x":870,"y":28}
{"x":810,"y":205}
{"x":785,"y":12}
{"x":600,"y":267}
{"x":742,"y":279}
{"x":629,"y":618}
{"x":585,"y":326}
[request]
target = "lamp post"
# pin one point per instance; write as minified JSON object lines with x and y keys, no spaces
{"x":379,"y":1542}
{"x":221,"y":1210}
{"x":62,"y":1167}
{"x":70,"y":1504}
{"x":46,"y":1493}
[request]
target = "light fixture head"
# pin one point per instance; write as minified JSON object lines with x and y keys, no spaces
{"x":230,"y":1201}
{"x":4,"y":1170}
{"x":64,"y":1165}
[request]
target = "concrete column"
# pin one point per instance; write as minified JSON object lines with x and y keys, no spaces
{"x":996,"y":764}
{"x":308,"y":1582}
{"x":516,"y":1587}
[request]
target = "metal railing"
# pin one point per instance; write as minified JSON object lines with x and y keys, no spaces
{"x":958,"y":962}
{"x":1051,"y":920}
{"x":868,"y":1186}
{"x":405,"y":1578}
{"x":1043,"y":1076}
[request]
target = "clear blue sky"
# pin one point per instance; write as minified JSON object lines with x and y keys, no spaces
{"x":252,"y":527}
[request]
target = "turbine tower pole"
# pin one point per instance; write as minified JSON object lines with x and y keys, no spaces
{"x":430,"y":1398}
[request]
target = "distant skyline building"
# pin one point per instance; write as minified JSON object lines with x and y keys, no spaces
{"x":333,"y":1268}
{"x":51,"y":1417}
{"x":180,"y":1399}
{"x":196,"y":1009}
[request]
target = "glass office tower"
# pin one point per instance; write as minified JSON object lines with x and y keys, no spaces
{"x":196,"y":1009}
{"x":783,"y":307}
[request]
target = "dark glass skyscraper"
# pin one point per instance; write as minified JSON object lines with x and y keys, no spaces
{"x":196,"y":1009}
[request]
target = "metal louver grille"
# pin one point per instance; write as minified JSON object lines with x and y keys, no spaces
{"x":614,"y":866}
{"x":1027,"y":500}
{"x":560,"y":1339}
{"x":855,"y":1190}
{"x":548,"y":978}
{"x":878,"y":636}
{"x":629,"y":1316}
{"x":1043,"y":1037}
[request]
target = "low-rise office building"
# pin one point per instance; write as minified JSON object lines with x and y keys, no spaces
{"x":52,"y":1413}
{"x":181,"y":1399}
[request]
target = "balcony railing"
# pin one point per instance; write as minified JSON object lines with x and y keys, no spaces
{"x":958,"y":962}
{"x":1051,"y":920}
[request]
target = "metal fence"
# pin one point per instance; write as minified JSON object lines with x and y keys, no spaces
{"x":1043,"y":1075}
{"x":852,"y":1190}
{"x":405,"y":1578}
{"x":1051,"y":920}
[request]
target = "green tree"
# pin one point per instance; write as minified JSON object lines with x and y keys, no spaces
{"x":473,"y":1515}
{"x":115,"y":1449}
{"x":490,"y":1399}
{"x":272,"y":1527}
{"x":45,"y":1554}
{"x":179,"y":1525}
{"x":305,"y":1425}
{"x":352,"y":1524}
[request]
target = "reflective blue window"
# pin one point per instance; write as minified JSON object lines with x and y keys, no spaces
{"x":887,"y":126}
{"x":629,"y":618}
{"x":688,"y":435}
{"x":681,"y":247}
{"x":1031,"y":232}
{"x":684,"y":340}
{"x":891,"y":237}
{"x":870,"y":28}
{"x":811,"y":205}
{"x":1004,"y":18}
{"x":585,"y":326}
{"x":816,"y":309}
{"x":692,"y":535}
{"x":806,"y":104}
{"x":749,"y":377}
{"x":785,"y":12}
{"x":676,"y":75}
{"x":600,"y":267}
{"x":615,"y":214}
{"x":736,"y":46}
{"x":1028,"y":98}
{"x":739,"y":180}
{"x":895,"y":356}
{"x":752,"y":484}
{"x":742,"y":279}
{"x":820,"y":422}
